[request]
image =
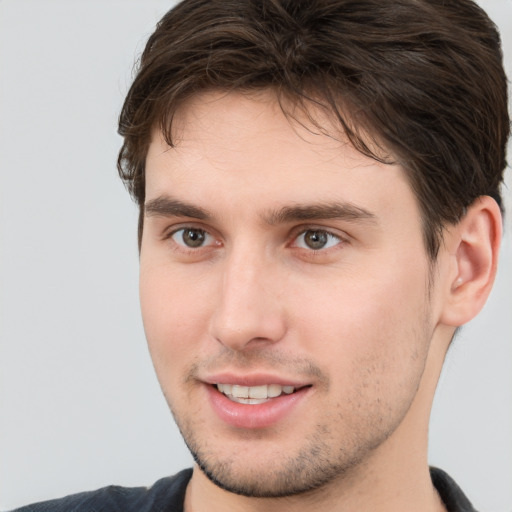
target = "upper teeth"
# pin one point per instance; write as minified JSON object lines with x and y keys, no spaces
{"x":265,"y":391}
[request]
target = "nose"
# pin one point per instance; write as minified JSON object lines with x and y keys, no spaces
{"x":249,"y":312}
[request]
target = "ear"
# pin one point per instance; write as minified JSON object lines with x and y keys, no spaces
{"x":474,"y":245}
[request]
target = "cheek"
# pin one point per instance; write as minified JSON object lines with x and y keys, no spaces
{"x":174,"y":319}
{"x":374,"y":349}
{"x":368,"y":327}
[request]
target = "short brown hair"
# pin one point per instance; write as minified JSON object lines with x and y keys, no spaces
{"x":422,"y":78}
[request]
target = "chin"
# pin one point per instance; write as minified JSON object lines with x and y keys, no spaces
{"x":278,"y":475}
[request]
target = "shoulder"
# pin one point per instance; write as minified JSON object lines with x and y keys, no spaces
{"x":166,"y":495}
{"x":451,"y":494}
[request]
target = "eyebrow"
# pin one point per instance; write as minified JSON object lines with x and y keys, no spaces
{"x":169,"y":207}
{"x":320,"y":211}
{"x":165,"y":206}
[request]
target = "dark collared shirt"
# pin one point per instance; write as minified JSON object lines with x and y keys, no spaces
{"x":168,"y":495}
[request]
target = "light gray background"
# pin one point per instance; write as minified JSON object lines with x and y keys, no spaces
{"x":79,"y":405}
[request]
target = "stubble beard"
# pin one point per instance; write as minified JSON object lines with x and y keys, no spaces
{"x":314,"y":466}
{"x":325,"y":457}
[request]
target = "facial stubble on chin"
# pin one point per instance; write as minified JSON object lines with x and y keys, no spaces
{"x":325,"y":456}
{"x":312,"y":466}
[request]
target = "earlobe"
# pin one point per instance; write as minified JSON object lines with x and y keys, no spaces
{"x":475,"y":242}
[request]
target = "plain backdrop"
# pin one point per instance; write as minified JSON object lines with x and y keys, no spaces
{"x":80,"y":407}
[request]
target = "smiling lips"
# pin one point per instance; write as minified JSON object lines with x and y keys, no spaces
{"x":253,"y":395}
{"x":251,"y":407}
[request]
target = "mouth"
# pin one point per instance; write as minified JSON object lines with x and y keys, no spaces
{"x":255,"y":395}
{"x":255,"y":400}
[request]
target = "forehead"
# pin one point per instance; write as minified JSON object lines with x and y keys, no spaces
{"x":235,"y":150}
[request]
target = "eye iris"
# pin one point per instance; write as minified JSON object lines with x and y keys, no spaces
{"x":193,"y":237}
{"x":315,"y":239}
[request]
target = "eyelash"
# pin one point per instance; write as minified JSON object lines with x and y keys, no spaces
{"x":316,"y":230}
{"x":329,"y":235}
{"x":182,"y":246}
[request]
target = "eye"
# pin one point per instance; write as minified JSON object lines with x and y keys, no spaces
{"x":192,"y":238}
{"x":316,"y":240}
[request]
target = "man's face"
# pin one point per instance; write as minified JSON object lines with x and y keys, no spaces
{"x":277,"y":260}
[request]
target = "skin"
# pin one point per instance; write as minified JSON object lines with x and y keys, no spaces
{"x":364,"y":321}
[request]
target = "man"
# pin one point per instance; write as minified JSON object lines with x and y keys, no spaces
{"x":319,"y":199}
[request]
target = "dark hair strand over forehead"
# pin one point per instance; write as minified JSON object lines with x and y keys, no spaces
{"x":422,"y":79}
